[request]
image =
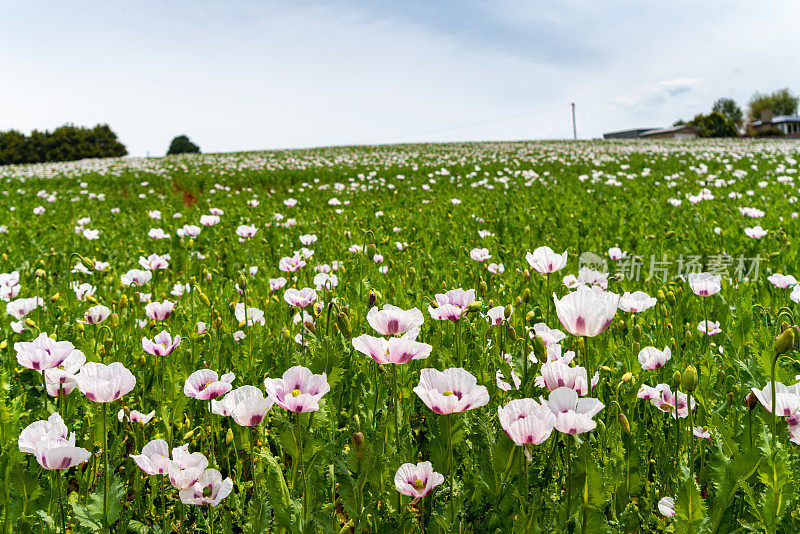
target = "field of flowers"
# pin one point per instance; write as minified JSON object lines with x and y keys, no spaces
{"x":493,"y":337}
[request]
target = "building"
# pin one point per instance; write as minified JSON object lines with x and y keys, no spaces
{"x":789,"y":125}
{"x":683,"y":131}
{"x":626,"y":134}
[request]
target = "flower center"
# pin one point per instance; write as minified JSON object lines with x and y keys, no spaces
{"x":207,"y":491}
{"x":419,"y":484}
{"x":296,"y":392}
{"x":447,"y":393}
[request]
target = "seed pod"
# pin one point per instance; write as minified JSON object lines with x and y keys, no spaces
{"x":511,"y":333}
{"x":689,"y":379}
{"x":784,"y":342}
{"x":344,"y":325}
{"x":624,"y":424}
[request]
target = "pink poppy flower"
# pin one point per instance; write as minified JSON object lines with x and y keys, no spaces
{"x":616,"y":253}
{"x":189,"y":230}
{"x":666,"y":506}
{"x":62,"y":380}
{"x":550,"y":336}
{"x":544,"y":260}
{"x":35,"y":432}
{"x":417,"y":480}
{"x":42,"y":353}
{"x":526,"y":421}
{"x":701,"y":432}
{"x":636,"y":302}
{"x":782,"y":281}
{"x":185,"y":468}
{"x":136,"y":277}
{"x":246,"y":405}
{"x":299,"y":298}
{"x":154,"y":262}
{"x":209,"y":220}
{"x":450,"y":391}
{"x":705,"y":284}
{"x":480,"y":254}
{"x":496,"y":315}
{"x":298,"y":390}
{"x":394,"y":350}
{"x":60,"y":453}
{"x":161,"y":345}
{"x":586,"y":312}
{"x":574,"y":415}
{"x":20,"y":308}
{"x":755,"y":232}
{"x":709,"y":328}
{"x":557,"y":374}
{"x":277,"y":283}
{"x":154,"y":459}
{"x":787,"y":398}
{"x":246,"y":231}
{"x":394,"y":321}
{"x":662,"y":397}
{"x":135,"y":417}
{"x":97,"y":314}
{"x":652,"y":358}
{"x":159,"y":311}
{"x":291,"y":264}
{"x":105,"y":383}
{"x":205,"y":384}
{"x":209,"y":488}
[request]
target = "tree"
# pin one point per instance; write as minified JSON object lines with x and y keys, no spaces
{"x":182,"y":145}
{"x":65,"y":143}
{"x":729,"y":108}
{"x":715,"y":124}
{"x":781,"y":102}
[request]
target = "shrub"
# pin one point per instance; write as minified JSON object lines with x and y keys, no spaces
{"x":182,"y":145}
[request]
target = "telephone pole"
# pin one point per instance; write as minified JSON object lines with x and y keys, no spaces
{"x":574,"y":128}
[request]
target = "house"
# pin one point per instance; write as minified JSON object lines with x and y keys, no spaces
{"x":682,"y":131}
{"x":626,"y":134}
{"x":789,"y":125}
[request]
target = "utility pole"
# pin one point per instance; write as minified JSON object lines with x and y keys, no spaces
{"x":574,"y":128}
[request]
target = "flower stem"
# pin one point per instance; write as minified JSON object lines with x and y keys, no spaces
{"x":450,"y":468}
{"x":105,"y":466}
{"x":774,"y":404}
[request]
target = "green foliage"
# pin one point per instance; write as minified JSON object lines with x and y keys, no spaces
{"x":715,"y":124}
{"x":780,"y":102}
{"x":182,"y":145}
{"x":729,"y":108}
{"x":65,"y":143}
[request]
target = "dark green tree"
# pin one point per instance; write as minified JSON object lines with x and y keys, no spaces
{"x":182,"y":145}
{"x":65,"y":143}
{"x":729,"y":108}
{"x":715,"y":124}
{"x":781,"y":102}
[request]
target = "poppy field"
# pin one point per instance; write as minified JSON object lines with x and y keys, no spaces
{"x":487,"y":337}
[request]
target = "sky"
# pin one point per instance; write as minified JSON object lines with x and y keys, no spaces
{"x":239,"y":75}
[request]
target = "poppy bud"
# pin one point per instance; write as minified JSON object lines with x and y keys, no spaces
{"x":511,"y":333}
{"x":127,"y":412}
{"x":108,"y":345}
{"x":242,"y":282}
{"x":660,"y":297}
{"x":114,"y":320}
{"x":669,"y":235}
{"x":627,"y":377}
{"x":357,"y":444}
{"x":39,"y":273}
{"x":784,"y":342}
{"x":475,"y":306}
{"x":229,"y":437}
{"x":507,"y":311}
{"x":89,"y":264}
{"x":310,"y":327}
{"x":606,"y":368}
{"x":751,"y":400}
{"x":344,"y":325}
{"x":582,"y":345}
{"x":29,"y":322}
{"x":232,"y":308}
{"x":526,"y":295}
{"x":636,"y":347}
{"x":372,"y":249}
{"x":188,"y":435}
{"x":204,"y":300}
{"x":689,"y":379}
{"x":444,"y":285}
{"x":637,"y":332}
{"x":482,"y":287}
{"x":286,"y":335}
{"x":80,"y":326}
{"x":539,"y":349}
{"x":123,"y":301}
{"x":624,"y":424}
{"x":527,"y":275}
{"x":676,"y":379}
{"x":3,"y":344}
{"x":518,"y":301}
{"x":671,"y":298}
{"x":371,"y":301}
{"x":218,"y":322}
{"x":530,"y":318}
{"x":622,"y":326}
{"x":538,"y":311}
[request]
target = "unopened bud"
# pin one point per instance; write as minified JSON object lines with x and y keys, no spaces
{"x":108,"y":345}
{"x":751,"y":400}
{"x":39,"y":273}
{"x":676,"y":379}
{"x":123,"y":301}
{"x":637,"y":332}
{"x":511,"y":333}
{"x":530,"y":318}
{"x":526,"y":295}
{"x":689,"y":379}
{"x":372,"y":298}
{"x":637,"y":347}
{"x":784,"y":342}
{"x":624,"y":424}
{"x":507,"y":311}
{"x":114,"y":320}
{"x":344,"y":325}
{"x":475,"y":306}
{"x":671,"y":298}
{"x":660,"y":297}
{"x":627,"y":377}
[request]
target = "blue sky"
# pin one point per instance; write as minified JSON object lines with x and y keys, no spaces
{"x":246,"y":75}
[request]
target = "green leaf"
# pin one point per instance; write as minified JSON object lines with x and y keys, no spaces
{"x":690,"y":510}
{"x":278,"y":494}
